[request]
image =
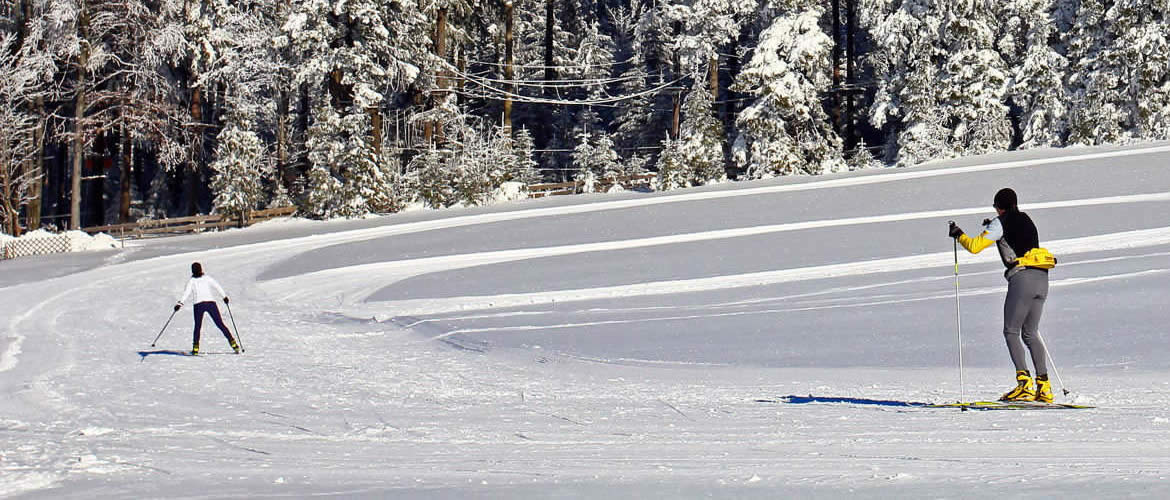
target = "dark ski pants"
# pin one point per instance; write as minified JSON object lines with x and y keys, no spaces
{"x":213,"y":310}
{"x":1027,"y":291}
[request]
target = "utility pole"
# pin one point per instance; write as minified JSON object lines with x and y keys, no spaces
{"x":440,"y":41}
{"x":850,"y":72}
{"x":837,"y":65}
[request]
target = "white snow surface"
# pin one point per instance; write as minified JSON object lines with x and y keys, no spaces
{"x":611,"y":346}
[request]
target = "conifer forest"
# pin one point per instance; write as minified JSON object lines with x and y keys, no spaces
{"x":118,"y":110}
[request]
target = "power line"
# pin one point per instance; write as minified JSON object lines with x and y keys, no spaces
{"x":564,"y":83}
{"x":555,"y":66}
{"x":503,"y":95}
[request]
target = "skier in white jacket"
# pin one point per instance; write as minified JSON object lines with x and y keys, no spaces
{"x":205,"y":290}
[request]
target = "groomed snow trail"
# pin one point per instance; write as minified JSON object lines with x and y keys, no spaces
{"x":458,"y":357}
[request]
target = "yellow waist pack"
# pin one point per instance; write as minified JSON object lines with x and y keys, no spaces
{"x":1039,"y":258}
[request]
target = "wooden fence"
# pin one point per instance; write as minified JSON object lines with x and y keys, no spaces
{"x":192,"y":224}
{"x":576,"y":187}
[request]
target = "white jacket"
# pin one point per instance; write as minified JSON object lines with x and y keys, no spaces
{"x":205,"y":289}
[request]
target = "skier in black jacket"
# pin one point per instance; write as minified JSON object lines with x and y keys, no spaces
{"x":1014,"y":234}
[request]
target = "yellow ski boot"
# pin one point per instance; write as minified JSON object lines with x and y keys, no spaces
{"x":1023,"y":390}
{"x":1043,"y":389}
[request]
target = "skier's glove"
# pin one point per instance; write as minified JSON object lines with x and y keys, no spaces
{"x":225,"y":300}
{"x":986,"y":222}
{"x":955,"y":231}
{"x":178,"y":306}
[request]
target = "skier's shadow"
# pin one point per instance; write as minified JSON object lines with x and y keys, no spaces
{"x":172,"y":352}
{"x":162,"y":352}
{"x":832,"y":399}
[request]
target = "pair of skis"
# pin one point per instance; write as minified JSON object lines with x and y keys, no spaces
{"x":972,"y":405}
{"x":1010,"y":405}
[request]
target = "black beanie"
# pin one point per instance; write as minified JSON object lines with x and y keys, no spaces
{"x":1005,"y":200}
{"x":196,"y":269}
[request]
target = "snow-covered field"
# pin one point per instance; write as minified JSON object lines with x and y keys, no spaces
{"x":610,"y":346}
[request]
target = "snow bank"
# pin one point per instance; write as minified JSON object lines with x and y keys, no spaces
{"x":39,"y":234}
{"x":510,"y":191}
{"x":80,"y":241}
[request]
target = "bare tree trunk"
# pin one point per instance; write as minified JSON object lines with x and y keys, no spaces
{"x":713,"y":74}
{"x":78,"y":145}
{"x":676,"y":120}
{"x":38,"y":168}
{"x":32,"y":165}
{"x":7,"y":179}
{"x":281,"y":135}
{"x":78,"y":142}
{"x":433,"y":128}
{"x":676,"y":115}
{"x":125,"y":179}
{"x":197,"y":157}
{"x":509,"y":47}
{"x":376,"y":129}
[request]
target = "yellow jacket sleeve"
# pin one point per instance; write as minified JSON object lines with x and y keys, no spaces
{"x":976,"y":244}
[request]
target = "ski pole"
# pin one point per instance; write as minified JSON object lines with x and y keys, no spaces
{"x":233,"y":318}
{"x":164,"y":328}
{"x":1063,"y":388}
{"x":959,"y":325}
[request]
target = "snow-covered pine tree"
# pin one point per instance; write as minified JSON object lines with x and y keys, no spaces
{"x":862,"y":158}
{"x":1140,"y":50}
{"x":323,"y":198}
{"x":369,"y":186}
{"x":633,"y":118}
{"x":906,"y":103}
{"x":1038,"y":70}
{"x":240,"y":163}
{"x":592,"y":65}
{"x":942,"y":85}
{"x":1095,"y":87}
{"x":974,"y":86}
{"x":974,"y":79}
{"x":701,"y":137}
{"x":786,"y":130}
{"x":356,"y":184}
{"x":672,"y":168}
{"x":595,"y":157}
{"x":435,"y":183}
{"x":521,"y":166}
{"x":280,"y":196}
{"x":707,"y":25}
{"x":476,"y":166}
{"x":351,"y":54}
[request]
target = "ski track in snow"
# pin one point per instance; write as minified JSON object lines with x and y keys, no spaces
{"x":329,"y":404}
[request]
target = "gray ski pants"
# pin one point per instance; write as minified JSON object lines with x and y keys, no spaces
{"x":1027,"y":290}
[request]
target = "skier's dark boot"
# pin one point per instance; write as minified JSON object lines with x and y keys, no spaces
{"x":195,"y":350}
{"x":235,"y":346}
{"x":1023,"y":390}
